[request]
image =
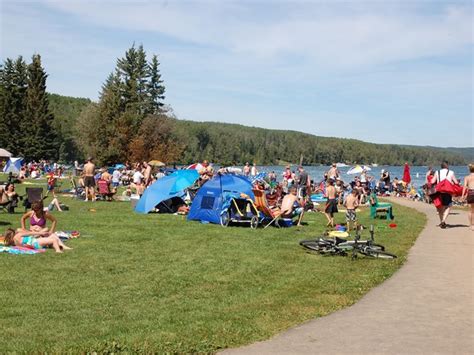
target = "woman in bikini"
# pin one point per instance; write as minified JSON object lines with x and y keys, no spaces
{"x":38,"y":218}
{"x":468,"y":194}
{"x":29,"y":239}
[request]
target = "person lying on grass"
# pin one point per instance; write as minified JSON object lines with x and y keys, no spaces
{"x":38,"y":218}
{"x":31,"y":240}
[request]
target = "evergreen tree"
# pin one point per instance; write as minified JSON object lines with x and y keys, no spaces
{"x":111,"y":107}
{"x":39,"y":139}
{"x":13,"y":82}
{"x":156,"y":89}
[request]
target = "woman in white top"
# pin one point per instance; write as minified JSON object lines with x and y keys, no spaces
{"x":446,"y":199}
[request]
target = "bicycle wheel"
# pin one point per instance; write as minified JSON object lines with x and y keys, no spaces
{"x":377,"y":247}
{"x":310,"y":245}
{"x":375,"y":253}
{"x":225,"y":219}
{"x":254,"y":222}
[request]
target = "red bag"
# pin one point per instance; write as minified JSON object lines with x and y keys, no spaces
{"x":446,"y":187}
{"x":437,"y":201}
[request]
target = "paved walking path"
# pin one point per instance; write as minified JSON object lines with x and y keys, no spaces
{"x":426,"y":307}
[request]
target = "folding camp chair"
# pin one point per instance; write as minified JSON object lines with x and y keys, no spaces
{"x":104,"y":190}
{"x":78,"y":191}
{"x":376,"y":207}
{"x":262,"y":205}
{"x":33,"y":194}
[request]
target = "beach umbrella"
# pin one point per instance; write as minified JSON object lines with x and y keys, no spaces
{"x":355,"y":170}
{"x":406,"y":174}
{"x":156,"y":163}
{"x":358,"y":169}
{"x":195,"y":166}
{"x":5,"y":153}
{"x":165,"y":188}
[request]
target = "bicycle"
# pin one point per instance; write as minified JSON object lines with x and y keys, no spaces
{"x":340,"y":246}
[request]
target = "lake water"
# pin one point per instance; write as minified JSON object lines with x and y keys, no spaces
{"x":417,"y":172}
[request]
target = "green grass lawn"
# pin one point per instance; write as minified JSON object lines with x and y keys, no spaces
{"x":158,"y":283}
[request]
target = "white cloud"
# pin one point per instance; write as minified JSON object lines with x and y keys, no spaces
{"x":342,"y":36}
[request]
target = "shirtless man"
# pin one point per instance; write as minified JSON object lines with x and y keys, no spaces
{"x":468,"y":194}
{"x":247,"y":169}
{"x":89,"y":182}
{"x":206,"y":173}
{"x":331,"y":204}
{"x":288,"y":209}
{"x":147,"y":173}
{"x":333,"y":173}
{"x":106,"y":175}
{"x":352,"y":201}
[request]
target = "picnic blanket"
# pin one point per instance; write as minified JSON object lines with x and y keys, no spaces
{"x":20,"y":250}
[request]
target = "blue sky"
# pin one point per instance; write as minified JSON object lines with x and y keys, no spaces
{"x":380,"y":71}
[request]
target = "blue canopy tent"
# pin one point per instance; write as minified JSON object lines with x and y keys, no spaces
{"x":13,"y":165}
{"x":209,"y":201}
{"x":165,"y":188}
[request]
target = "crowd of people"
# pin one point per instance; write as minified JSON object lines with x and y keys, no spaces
{"x":292,"y":193}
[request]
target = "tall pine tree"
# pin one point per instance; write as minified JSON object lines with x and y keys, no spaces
{"x":134,"y":91}
{"x":13,"y":82}
{"x":156,"y":89}
{"x":40,"y":139}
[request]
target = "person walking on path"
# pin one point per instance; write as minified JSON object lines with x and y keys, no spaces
{"x":446,"y":199}
{"x":468,"y":194}
{"x":89,"y":181}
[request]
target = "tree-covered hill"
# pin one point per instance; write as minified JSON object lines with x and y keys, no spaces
{"x":66,"y":110}
{"x":229,"y":143}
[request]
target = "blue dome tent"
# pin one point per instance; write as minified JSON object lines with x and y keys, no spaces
{"x":209,"y":201}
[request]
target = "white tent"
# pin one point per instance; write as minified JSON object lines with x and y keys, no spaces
{"x":5,"y":153}
{"x":13,"y":165}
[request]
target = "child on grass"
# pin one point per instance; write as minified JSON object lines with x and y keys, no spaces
{"x":352,"y":201}
{"x":32,"y":240}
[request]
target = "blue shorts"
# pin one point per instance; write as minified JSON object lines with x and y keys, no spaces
{"x":30,"y":242}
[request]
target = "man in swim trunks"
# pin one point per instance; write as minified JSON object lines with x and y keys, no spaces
{"x":288,"y":209}
{"x":352,"y":201}
{"x":303,"y":183}
{"x":331,"y":204}
{"x":89,"y":182}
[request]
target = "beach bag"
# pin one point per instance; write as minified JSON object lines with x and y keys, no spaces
{"x":446,"y":187}
{"x":437,"y":202}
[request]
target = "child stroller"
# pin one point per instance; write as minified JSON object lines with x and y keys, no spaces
{"x":239,"y":209}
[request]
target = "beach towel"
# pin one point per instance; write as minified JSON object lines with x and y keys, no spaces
{"x":20,"y":250}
